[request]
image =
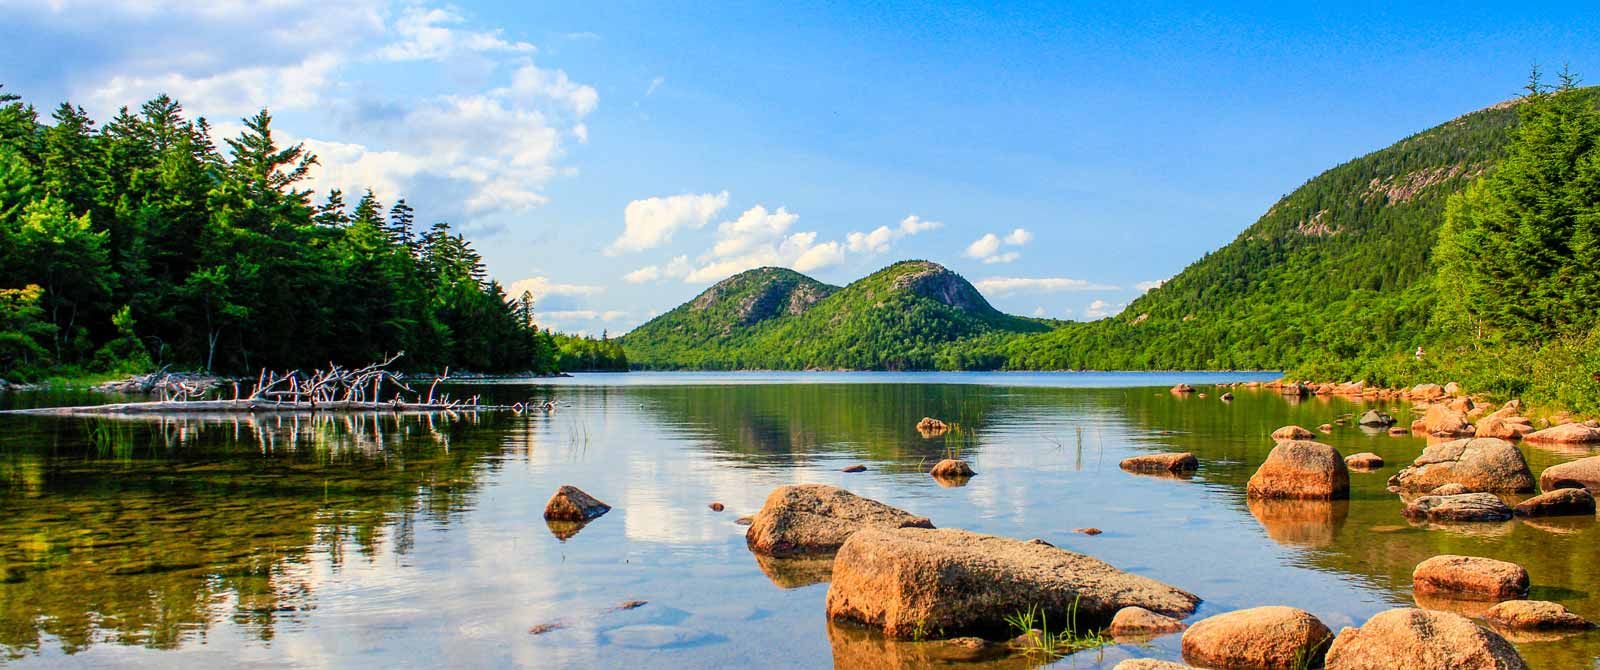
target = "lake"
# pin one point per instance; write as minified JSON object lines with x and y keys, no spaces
{"x":417,"y":541}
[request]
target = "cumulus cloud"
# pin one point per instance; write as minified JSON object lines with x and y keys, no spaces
{"x":1009,"y":285}
{"x":759,"y":238}
{"x":427,"y":34}
{"x":585,"y":314}
{"x":988,"y":247}
{"x":1149,"y":285}
{"x":1100,"y":309}
{"x":879,"y":239}
{"x":652,"y":222}
{"x":468,"y":150}
{"x":542,"y":287}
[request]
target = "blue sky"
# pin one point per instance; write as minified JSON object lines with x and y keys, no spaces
{"x":617,"y":158}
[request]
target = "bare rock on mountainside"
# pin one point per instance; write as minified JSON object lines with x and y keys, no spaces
{"x":1301,"y":469}
{"x":913,"y":581}
{"x":1480,"y":464}
{"x":817,"y":518}
{"x":1259,"y":638}
{"x":1417,"y":639}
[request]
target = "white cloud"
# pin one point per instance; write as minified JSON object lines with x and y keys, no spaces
{"x":753,"y":228}
{"x":678,"y":267}
{"x":1149,"y":285}
{"x":879,"y":239}
{"x":584,"y":314}
{"x":757,"y":238}
{"x":651,"y":222}
{"x":542,"y":287}
{"x":646,"y":274}
{"x":1039,"y":311}
{"x":425,"y":35}
{"x":654,"y":84}
{"x":469,"y":149}
{"x":1008,"y":285}
{"x":1100,"y":309}
{"x":987,"y":248}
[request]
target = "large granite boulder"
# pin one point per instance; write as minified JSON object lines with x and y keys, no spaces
{"x":1583,"y":473}
{"x":817,"y":518}
{"x":1470,"y":578}
{"x":1301,"y":469}
{"x":1560,"y":502}
{"x":1480,"y":464}
{"x":1460,"y":507}
{"x":1260,"y":638}
{"x":1566,"y":433}
{"x":910,"y":581}
{"x":1417,"y":639}
{"x":1506,"y":423}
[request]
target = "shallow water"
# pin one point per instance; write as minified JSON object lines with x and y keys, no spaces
{"x":417,"y":541}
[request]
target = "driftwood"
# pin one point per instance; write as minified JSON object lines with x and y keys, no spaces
{"x":333,"y":389}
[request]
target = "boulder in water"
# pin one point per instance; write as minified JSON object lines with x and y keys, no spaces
{"x":1365,"y":460}
{"x":1138,"y":622}
{"x":1535,"y":615}
{"x":951,"y":468}
{"x":1582,"y":473}
{"x":1301,"y":469}
{"x":1174,"y":462}
{"x":1292,"y":433}
{"x":1264,"y":638}
{"x":1470,"y":578}
{"x":1376,"y":419}
{"x":1560,"y":502}
{"x":909,"y":581}
{"x":1461,"y":507}
{"x":1417,"y":639}
{"x":571,"y":504}
{"x":817,"y":518}
{"x":1566,"y":433}
{"x":1442,"y":421}
{"x":1481,"y":464}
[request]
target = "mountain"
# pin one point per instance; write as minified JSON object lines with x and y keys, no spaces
{"x":904,"y":316}
{"x":1339,"y":270}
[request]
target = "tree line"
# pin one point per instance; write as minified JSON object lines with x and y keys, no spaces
{"x":140,"y":243}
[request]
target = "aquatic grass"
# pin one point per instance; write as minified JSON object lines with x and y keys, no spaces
{"x":1033,"y":628}
{"x":1309,"y":658}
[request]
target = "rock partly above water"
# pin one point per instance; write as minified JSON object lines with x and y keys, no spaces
{"x":1442,"y":421}
{"x":1260,"y":638}
{"x":1560,"y":502}
{"x":1480,"y":464}
{"x":1376,"y":419}
{"x":571,"y":504}
{"x":1138,"y":622}
{"x":951,"y":468}
{"x":1567,"y":433}
{"x":1301,"y":469}
{"x":1416,"y":639}
{"x":1460,"y":507}
{"x":1292,"y":433}
{"x":817,"y":518}
{"x":1505,"y":423}
{"x":913,"y":581}
{"x":1178,"y":462}
{"x":1150,"y":664}
{"x":1524,"y":615}
{"x":1365,"y":460}
{"x":1583,"y":473}
{"x":1470,"y":578}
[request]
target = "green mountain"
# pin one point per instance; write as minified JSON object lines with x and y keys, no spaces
{"x":905,"y":316}
{"x":1337,"y":270}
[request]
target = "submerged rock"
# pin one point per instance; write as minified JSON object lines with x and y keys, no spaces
{"x":1535,"y":615}
{"x":1582,"y":473}
{"x":571,"y":504}
{"x":1480,"y":464}
{"x":717,"y":507}
{"x":1138,"y":622}
{"x":1301,"y":469}
{"x":909,"y":581}
{"x":1292,"y":433}
{"x":817,"y":518}
{"x":1399,"y":431}
{"x":1365,"y":460}
{"x":1417,"y":639}
{"x":1260,"y":638}
{"x":853,"y":468}
{"x":1460,"y":507}
{"x":1560,"y":502}
{"x":1178,"y":462}
{"x":1567,"y":433}
{"x":1470,"y":578}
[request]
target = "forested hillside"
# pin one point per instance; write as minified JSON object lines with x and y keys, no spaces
{"x":138,"y":242}
{"x":904,"y":317}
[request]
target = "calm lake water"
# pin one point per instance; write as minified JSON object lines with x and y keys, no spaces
{"x":416,"y":541}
